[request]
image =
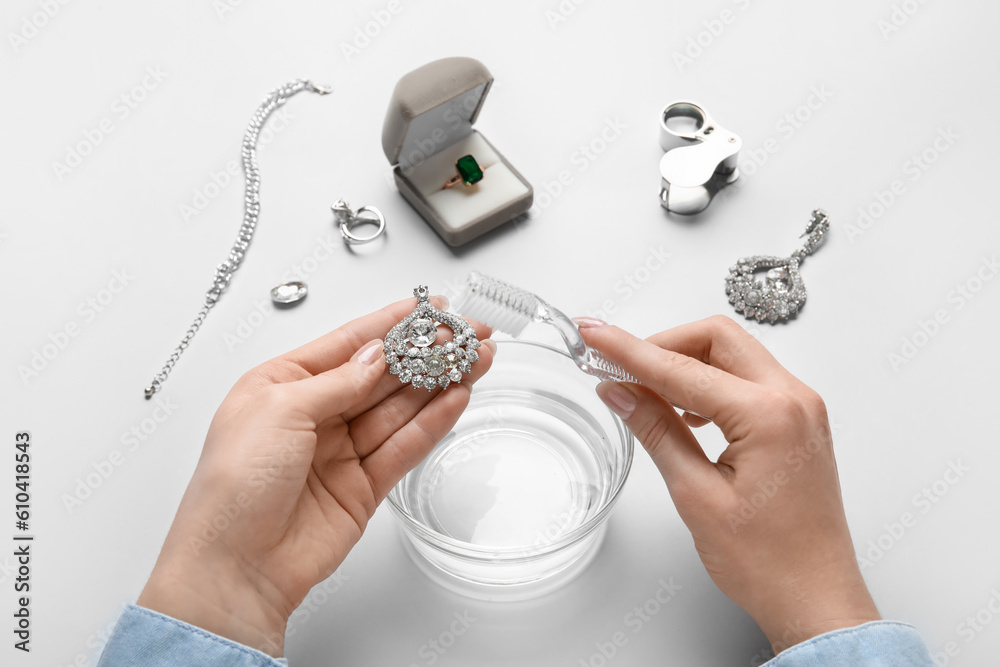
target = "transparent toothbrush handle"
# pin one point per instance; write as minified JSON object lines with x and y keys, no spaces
{"x":603,"y":368}
{"x":588,"y":359}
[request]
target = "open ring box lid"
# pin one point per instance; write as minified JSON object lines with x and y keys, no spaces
{"x":428,"y":127}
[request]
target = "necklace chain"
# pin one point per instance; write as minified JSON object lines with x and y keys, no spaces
{"x":251,"y":210}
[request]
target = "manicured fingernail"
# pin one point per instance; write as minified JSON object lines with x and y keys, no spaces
{"x":621,"y":401}
{"x":490,"y":344}
{"x":588,"y":322}
{"x":443,"y":300}
{"x":369,"y":352}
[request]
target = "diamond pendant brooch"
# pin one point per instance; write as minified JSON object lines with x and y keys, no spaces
{"x":412,"y":352}
{"x":781,"y":294}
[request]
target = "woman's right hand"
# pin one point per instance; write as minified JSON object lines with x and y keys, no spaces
{"x":767,"y":518}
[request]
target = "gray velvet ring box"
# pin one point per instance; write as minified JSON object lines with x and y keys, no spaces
{"x":428,"y":127}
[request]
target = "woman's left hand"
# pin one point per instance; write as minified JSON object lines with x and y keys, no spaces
{"x":298,"y":457}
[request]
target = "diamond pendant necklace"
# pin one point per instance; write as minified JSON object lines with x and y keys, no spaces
{"x":782,"y":293}
{"x":251,"y":210}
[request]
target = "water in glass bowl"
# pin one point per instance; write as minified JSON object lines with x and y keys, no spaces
{"x":521,"y":469}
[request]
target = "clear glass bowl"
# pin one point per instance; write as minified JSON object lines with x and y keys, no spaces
{"x":514,"y":502}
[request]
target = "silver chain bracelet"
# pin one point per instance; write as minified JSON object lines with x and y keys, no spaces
{"x":251,"y":210}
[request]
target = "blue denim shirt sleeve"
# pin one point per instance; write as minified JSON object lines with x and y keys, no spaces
{"x":875,"y":644}
{"x":144,"y":638}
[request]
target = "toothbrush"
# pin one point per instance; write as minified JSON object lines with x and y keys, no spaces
{"x":510,"y":309}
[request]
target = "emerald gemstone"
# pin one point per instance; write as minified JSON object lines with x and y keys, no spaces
{"x":469,"y":170}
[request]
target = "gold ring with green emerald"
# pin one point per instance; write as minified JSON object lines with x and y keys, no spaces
{"x":469,"y":172}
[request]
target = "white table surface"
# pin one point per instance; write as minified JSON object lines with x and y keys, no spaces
{"x":884,"y":97}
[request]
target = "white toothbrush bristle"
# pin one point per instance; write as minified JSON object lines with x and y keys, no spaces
{"x":497,"y":304}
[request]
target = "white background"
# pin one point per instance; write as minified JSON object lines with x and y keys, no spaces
{"x":558,"y":84}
